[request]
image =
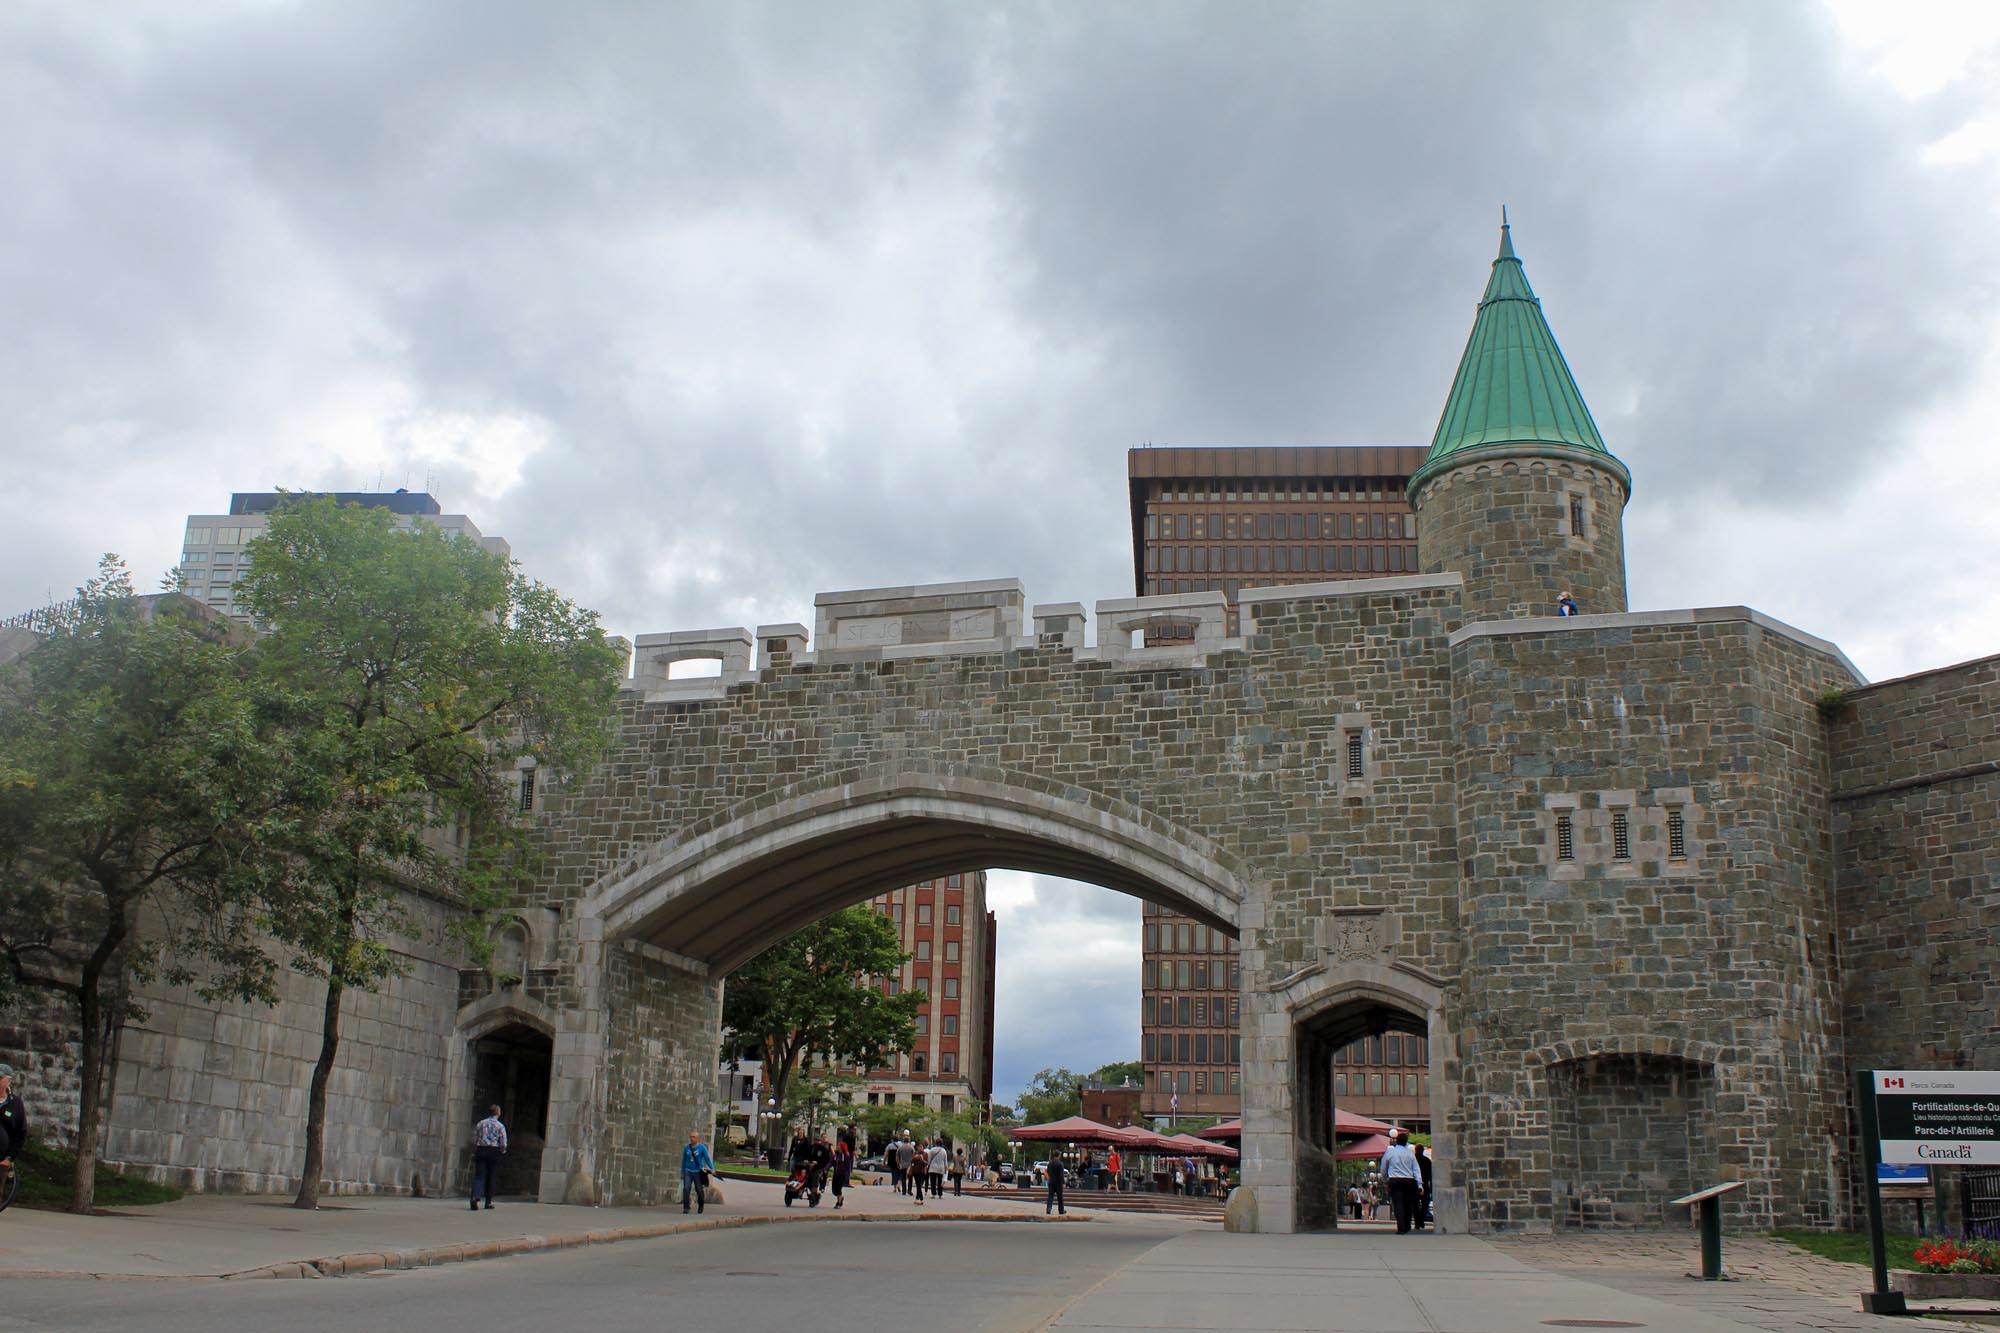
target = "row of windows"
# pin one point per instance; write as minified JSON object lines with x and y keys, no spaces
{"x":1194,"y":1080}
{"x":1394,"y":1048}
{"x":1198,"y":1047}
{"x":924,"y":951}
{"x":1184,"y":975}
{"x":947,"y":1025}
{"x":1346,"y":525}
{"x":945,"y":1100}
{"x":1192,"y":1011}
{"x":1381,"y":1085}
{"x":953,"y":914}
{"x":1279,"y":560}
{"x":1621,"y":836}
{"x":1187,"y":937}
{"x":234,"y":536}
{"x":1212,"y":490}
{"x":894,"y":986}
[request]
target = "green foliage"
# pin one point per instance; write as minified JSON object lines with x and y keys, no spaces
{"x":813,"y":997}
{"x":1121,"y":1071}
{"x":1851,"y":1247}
{"x":1051,"y":1094}
{"x":1831,"y":703}
{"x":412,"y":667}
{"x":138,"y":776}
{"x":48,"y":1179}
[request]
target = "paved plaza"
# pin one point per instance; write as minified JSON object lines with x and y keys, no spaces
{"x":982,"y":1264}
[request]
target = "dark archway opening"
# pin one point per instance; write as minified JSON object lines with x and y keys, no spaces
{"x":1342,"y":1057}
{"x":510,"y":1069}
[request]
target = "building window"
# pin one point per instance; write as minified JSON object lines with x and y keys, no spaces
{"x":1184,"y":937}
{"x":924,"y":985}
{"x":1184,"y":1008}
{"x":527,"y":789}
{"x":1576,"y":515}
{"x":923,"y":1024}
{"x":1201,"y":1013}
{"x":1565,"y":839}
{"x":1146,"y":1043}
{"x":948,"y":1064}
{"x":948,"y":1025}
{"x":916,"y":1067}
{"x":1340,"y":1085}
{"x":951,"y":951}
{"x":923,"y":951}
{"x":1184,"y":975}
{"x":1184,"y":1044}
{"x":1200,"y":978}
{"x":1375,"y":1084}
{"x":1201,"y":1080}
{"x":923,"y":914}
{"x":1394,"y":1054}
{"x":1152,"y":1010}
{"x":1182,"y":1080}
{"x":1621,"y":836}
{"x":1677,"y":836}
{"x":951,"y":988}
{"x":1355,"y":768}
{"x":951,"y":915}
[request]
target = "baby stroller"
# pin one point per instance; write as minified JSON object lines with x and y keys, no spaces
{"x":807,"y":1183}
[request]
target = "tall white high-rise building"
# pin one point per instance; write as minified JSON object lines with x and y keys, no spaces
{"x":212,"y":555}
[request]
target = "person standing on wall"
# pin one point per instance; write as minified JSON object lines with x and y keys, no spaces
{"x":1405,"y":1179}
{"x":696,"y":1164}
{"x":489,"y":1145}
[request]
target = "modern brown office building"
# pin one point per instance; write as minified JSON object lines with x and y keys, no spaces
{"x":1220,"y":520}
{"x":945,"y":927}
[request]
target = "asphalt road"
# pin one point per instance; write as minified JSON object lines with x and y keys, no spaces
{"x":875,"y":1278}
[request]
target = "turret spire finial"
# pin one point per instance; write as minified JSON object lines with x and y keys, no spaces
{"x":1506,"y":235}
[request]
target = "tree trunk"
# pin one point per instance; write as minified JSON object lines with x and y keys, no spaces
{"x":89,"y":1099}
{"x":329,"y":1050}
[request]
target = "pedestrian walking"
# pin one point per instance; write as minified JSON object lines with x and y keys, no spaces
{"x":958,"y":1172}
{"x":1113,"y":1164}
{"x":1424,"y":1197}
{"x":1053,"y":1201}
{"x":697,"y":1163}
{"x":489,"y":1145}
{"x":1400,"y":1169}
{"x":939,"y":1162}
{"x":905,"y":1154}
{"x":13,"y":1123}
{"x":843,"y":1168}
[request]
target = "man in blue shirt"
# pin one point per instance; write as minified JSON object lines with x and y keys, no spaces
{"x":1405,"y":1177}
{"x":489,"y":1145}
{"x":695,"y":1166}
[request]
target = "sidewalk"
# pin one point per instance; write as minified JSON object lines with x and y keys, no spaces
{"x":1368,"y":1282}
{"x":236,"y":1236}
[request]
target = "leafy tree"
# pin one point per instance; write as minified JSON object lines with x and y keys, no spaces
{"x":137,"y":779}
{"x":417,"y":664}
{"x":1122,"y":1071}
{"x":1051,"y":1094}
{"x":814,"y":996}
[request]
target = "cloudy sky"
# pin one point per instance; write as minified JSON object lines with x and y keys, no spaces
{"x":707,"y":308}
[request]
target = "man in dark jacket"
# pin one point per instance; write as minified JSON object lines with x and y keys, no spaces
{"x":13,"y":1122}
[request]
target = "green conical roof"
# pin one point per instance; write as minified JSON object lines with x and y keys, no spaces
{"x":1513,"y":386}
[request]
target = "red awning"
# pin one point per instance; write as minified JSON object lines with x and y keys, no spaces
{"x":1372,"y":1146}
{"x":1344,"y":1122}
{"x":1188,"y":1145}
{"x":1075,"y":1129}
{"x":1228,"y":1129}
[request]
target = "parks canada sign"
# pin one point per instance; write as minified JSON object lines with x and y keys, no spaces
{"x":1931,"y":1117}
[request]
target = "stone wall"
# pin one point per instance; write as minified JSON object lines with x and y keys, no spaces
{"x":38,"y":1038}
{"x":1628,"y":1133}
{"x":213,"y":1097}
{"x":666,"y":1027}
{"x":1504,"y":523}
{"x":1916,"y":806}
{"x":1708,"y":958}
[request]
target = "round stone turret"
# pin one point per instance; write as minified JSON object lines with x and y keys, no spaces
{"x":1518,"y":493}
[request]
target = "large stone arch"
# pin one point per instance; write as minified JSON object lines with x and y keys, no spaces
{"x":792,"y":856}
{"x":656,"y":935}
{"x":1287,"y":1146}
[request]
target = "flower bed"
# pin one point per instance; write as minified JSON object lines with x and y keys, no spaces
{"x":1966,"y":1268}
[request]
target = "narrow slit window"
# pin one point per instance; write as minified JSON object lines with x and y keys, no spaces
{"x":1565,"y":839}
{"x":1677,"y":836}
{"x":1621,"y":836}
{"x":527,"y":789}
{"x":1576,"y":516}
{"x":1354,"y":765}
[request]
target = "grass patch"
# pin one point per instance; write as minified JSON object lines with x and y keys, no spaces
{"x":48,"y":1173}
{"x":1851,"y":1247}
{"x":751,"y":1169}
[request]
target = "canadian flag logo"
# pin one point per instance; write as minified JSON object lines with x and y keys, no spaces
{"x":1888,"y":1082}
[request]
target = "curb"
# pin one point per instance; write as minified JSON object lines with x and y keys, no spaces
{"x":348,"y":1265}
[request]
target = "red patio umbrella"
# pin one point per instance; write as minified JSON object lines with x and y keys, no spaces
{"x":1348,"y":1122}
{"x":1187,"y":1145}
{"x":1228,"y":1129}
{"x":1372,"y":1146}
{"x":1075,"y":1129}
